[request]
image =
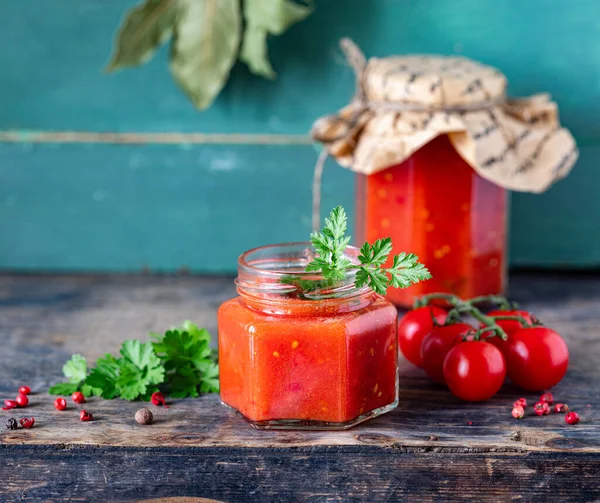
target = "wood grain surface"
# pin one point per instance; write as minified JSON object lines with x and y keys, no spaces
{"x":432,"y":448}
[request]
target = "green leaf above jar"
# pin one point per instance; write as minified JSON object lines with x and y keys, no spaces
{"x":144,"y":29}
{"x":206,"y":36}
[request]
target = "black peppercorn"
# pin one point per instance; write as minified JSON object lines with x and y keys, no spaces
{"x":11,"y":424}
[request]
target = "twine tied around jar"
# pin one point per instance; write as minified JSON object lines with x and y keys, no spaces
{"x":403,"y":102}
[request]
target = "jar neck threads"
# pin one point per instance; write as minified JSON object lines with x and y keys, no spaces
{"x":273,"y":279}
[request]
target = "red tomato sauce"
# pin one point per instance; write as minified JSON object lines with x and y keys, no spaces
{"x":314,"y":363}
{"x":436,"y":206}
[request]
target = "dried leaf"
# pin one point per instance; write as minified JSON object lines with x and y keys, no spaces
{"x":205,"y":47}
{"x":264,"y":17}
{"x":144,"y":29}
{"x":275,"y":16}
{"x":255,"y":53}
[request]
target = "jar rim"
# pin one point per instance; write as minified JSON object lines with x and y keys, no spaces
{"x":280,"y":269}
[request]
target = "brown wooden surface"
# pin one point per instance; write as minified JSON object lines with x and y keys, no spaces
{"x":433,"y":447}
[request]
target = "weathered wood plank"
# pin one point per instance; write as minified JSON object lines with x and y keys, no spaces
{"x":126,"y":208}
{"x":432,"y":447}
{"x":296,"y":475}
{"x":423,"y":414}
{"x":52,"y":77}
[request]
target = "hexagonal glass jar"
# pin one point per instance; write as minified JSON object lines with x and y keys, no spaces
{"x":297,"y":353}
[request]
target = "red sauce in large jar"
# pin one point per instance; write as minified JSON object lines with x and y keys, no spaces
{"x":436,"y":206}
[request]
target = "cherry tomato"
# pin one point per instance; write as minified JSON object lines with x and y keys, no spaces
{"x":413,"y":327}
{"x":436,"y":345}
{"x":509,"y":326}
{"x":536,"y":358}
{"x":475,"y":370}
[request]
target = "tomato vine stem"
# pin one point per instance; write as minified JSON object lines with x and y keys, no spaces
{"x":469,"y":307}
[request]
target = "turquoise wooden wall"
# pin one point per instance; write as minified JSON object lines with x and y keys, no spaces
{"x":94,"y":201}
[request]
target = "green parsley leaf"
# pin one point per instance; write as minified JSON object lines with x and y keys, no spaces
{"x":189,"y":360}
{"x":374,"y":278}
{"x":138,"y":369}
{"x":179,"y":347}
{"x":184,"y":382}
{"x":197,"y":332}
{"x":75,"y":369}
{"x":130,"y":383}
{"x":103,"y":377}
{"x":375,"y":254}
{"x":330,"y":245}
{"x":330,"y":261}
{"x":140,"y":355}
{"x":406,"y":270}
{"x":210,"y":379}
{"x":88,"y":390}
{"x":63,"y":388}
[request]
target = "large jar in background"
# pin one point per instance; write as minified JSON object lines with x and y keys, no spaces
{"x":435,"y":205}
{"x":435,"y":143}
{"x":296,"y":353}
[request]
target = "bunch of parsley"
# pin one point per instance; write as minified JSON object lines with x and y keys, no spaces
{"x":181,"y":363}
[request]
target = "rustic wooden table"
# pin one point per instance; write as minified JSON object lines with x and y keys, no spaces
{"x":433,"y":447}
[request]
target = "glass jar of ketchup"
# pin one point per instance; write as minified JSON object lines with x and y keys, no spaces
{"x":437,"y":206}
{"x":295,"y":353}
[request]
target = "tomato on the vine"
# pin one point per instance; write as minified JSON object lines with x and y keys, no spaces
{"x":413,"y":327}
{"x":509,"y":326}
{"x":436,"y":345}
{"x":537,"y":358}
{"x":474,"y":370}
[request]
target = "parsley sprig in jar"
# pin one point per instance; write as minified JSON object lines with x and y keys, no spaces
{"x":310,"y":342}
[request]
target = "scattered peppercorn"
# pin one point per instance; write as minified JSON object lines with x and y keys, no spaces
{"x":78,"y":397}
{"x":84,"y":415}
{"x":27,"y":422}
{"x":24,"y":390}
{"x":11,"y":423}
{"x":548,"y":398}
{"x":9,"y":404}
{"x":22,"y":400}
{"x":561,"y":407}
{"x":542,"y":408}
{"x":518,"y":412}
{"x":60,"y":403}
{"x":521,"y":402}
{"x":144,"y":416}
{"x":572,"y":418}
{"x":158,"y":398}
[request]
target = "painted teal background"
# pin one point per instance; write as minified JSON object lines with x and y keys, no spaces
{"x":124,"y":207}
